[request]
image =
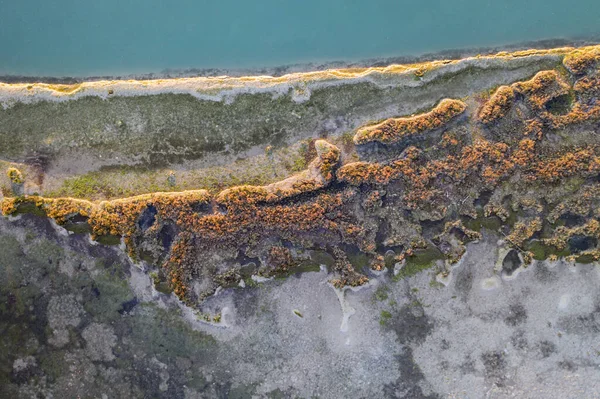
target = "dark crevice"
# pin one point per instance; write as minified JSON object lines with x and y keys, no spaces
{"x":147,"y":218}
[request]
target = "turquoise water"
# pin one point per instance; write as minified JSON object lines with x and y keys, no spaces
{"x":112,"y":37}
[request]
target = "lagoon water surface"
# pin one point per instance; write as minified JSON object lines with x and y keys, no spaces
{"x":112,"y":37}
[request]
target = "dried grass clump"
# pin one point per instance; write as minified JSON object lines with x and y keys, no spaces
{"x":15,"y":175}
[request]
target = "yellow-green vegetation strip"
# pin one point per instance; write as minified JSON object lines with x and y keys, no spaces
{"x":126,"y":181}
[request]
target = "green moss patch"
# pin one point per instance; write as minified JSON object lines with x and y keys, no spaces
{"x":422,"y":259}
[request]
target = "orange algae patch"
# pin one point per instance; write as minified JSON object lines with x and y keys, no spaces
{"x":487,"y":160}
{"x":524,"y":231}
{"x":118,"y":217}
{"x":328,"y":159}
{"x":561,"y":235}
{"x":588,"y":89}
{"x":582,"y":160}
{"x":302,"y":217}
{"x":281,"y":259}
{"x":577,"y":115}
{"x":498,"y":105}
{"x":248,"y":224}
{"x":580,"y":61}
{"x":357,"y":173}
{"x":455,"y":232}
{"x":181,"y":252}
{"x":585,"y":109}
{"x":60,"y":209}
{"x":395,"y":129}
{"x":10,"y":205}
{"x":543,"y":87}
{"x":534,"y":128}
{"x":348,"y":276}
{"x":242,"y":195}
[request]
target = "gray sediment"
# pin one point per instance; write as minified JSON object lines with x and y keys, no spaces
{"x":79,"y":321}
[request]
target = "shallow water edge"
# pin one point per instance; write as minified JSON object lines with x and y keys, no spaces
{"x":451,"y":54}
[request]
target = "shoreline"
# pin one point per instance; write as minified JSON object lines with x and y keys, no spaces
{"x":299,"y":85}
{"x":279,"y":71}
